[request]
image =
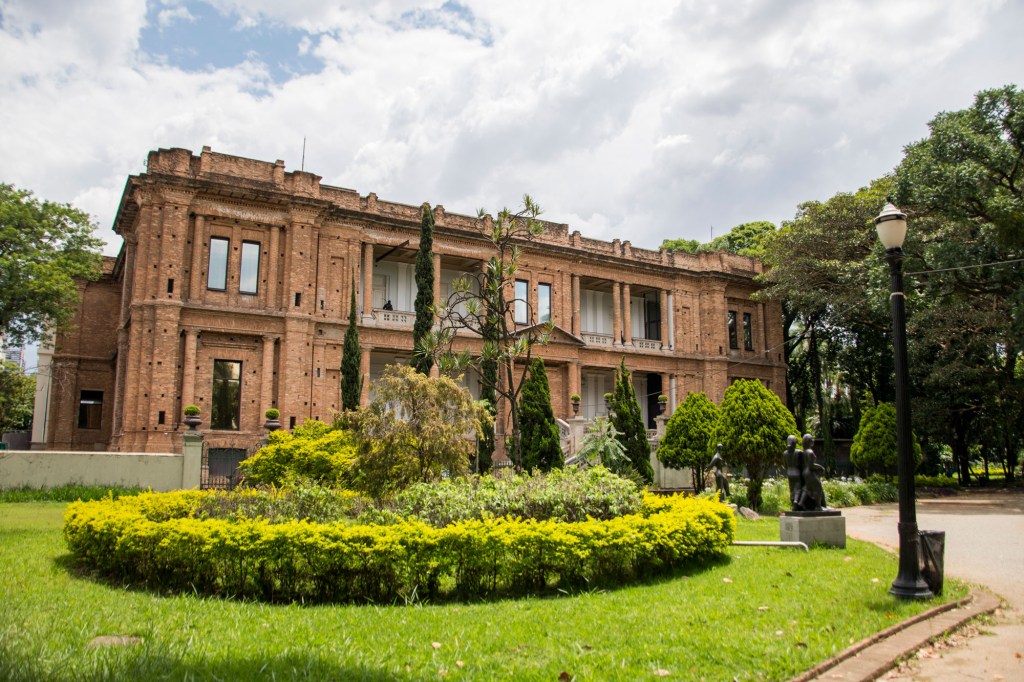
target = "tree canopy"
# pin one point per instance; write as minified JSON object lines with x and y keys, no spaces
{"x":44,"y":248}
{"x":424,"y":304}
{"x":752,"y":427}
{"x":17,"y":397}
{"x":541,"y":447}
{"x":628,"y":421}
{"x":688,"y":437}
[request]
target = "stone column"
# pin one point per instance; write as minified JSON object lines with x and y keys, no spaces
{"x":576,"y":306}
{"x":671,"y":321}
{"x":437,"y":282}
{"x":192,"y":460}
{"x":663,"y":325}
{"x":616,"y":314}
{"x":188,"y":369}
{"x":669,"y":407}
{"x":273,"y":298}
{"x":672,"y":393}
{"x":364,"y":370}
{"x":367,"y":282}
{"x":267,"y":375}
{"x":627,"y":317}
{"x":195,"y":288}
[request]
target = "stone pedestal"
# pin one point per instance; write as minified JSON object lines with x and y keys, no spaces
{"x":821,"y":527}
{"x":192,"y":460}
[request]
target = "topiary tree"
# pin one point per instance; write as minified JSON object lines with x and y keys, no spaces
{"x":424,"y":305}
{"x":314,"y":451}
{"x":628,"y":420}
{"x":874,"y":445}
{"x":540,"y":439}
{"x":752,"y":427}
{"x":687,"y":441}
{"x":351,"y":360}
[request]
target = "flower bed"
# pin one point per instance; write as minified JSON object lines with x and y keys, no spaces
{"x":155,"y":539}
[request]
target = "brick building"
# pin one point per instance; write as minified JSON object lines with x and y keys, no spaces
{"x":232,"y":289}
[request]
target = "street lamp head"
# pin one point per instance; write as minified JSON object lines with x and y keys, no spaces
{"x":891,"y":225}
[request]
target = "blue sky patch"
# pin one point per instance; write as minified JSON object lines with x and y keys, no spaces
{"x":208,"y":40}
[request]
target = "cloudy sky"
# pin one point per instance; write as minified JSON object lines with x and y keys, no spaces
{"x":640,"y":120}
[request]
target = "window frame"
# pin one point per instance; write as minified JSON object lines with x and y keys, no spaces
{"x":222,"y":383}
{"x":734,"y":343}
{"x":242,"y":268}
{"x":748,"y":332}
{"x":90,"y":409}
{"x":221,"y":260}
{"x":543,"y":316}
{"x":521,"y":303}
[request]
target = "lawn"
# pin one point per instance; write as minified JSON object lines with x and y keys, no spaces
{"x":762,"y":613}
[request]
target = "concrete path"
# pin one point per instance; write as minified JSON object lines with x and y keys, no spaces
{"x":984,"y":545}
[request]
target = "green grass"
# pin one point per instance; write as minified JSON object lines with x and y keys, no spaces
{"x":65,"y":493}
{"x":705,"y":623}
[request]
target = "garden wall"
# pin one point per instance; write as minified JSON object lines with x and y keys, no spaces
{"x":49,"y":468}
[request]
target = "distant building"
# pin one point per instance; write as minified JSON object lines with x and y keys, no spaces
{"x":232,"y":292}
{"x":13,"y":353}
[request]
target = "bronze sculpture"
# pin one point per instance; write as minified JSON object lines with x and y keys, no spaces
{"x":805,"y":490}
{"x":721,"y":482}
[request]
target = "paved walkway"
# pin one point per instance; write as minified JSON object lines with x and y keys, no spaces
{"x":985,"y":546}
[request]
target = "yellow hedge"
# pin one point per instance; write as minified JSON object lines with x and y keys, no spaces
{"x":153,"y":539}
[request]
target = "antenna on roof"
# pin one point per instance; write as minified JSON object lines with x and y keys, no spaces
{"x":303,"y":167}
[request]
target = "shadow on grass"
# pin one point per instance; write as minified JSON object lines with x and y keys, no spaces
{"x":142,"y":663}
{"x":77,"y":570}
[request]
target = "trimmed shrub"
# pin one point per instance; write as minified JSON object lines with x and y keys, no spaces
{"x":874,"y":444}
{"x":313,"y":451}
{"x":155,"y":539}
{"x":687,"y":440}
{"x":561,"y":495}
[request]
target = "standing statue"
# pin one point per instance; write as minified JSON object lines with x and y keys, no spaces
{"x":721,"y":481}
{"x":792,"y":459}
{"x":813,"y":497}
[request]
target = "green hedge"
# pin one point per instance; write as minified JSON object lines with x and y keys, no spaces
{"x":154,"y":539}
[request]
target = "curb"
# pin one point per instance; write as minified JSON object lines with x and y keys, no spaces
{"x":871,"y":658}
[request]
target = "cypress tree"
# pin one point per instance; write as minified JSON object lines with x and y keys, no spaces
{"x":351,"y":360}
{"x":628,"y":421}
{"x":539,"y":432}
{"x":424,"y":292}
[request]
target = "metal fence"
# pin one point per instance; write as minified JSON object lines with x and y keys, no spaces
{"x":220,"y":468}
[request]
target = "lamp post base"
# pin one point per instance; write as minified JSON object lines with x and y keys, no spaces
{"x":909,"y":583}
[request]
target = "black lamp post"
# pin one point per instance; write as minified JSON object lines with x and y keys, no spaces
{"x":891,"y":224}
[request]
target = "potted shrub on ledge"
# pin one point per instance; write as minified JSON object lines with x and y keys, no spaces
{"x":608,"y":401}
{"x":662,"y":403}
{"x":192,"y":419}
{"x":575,"y":400}
{"x":273,"y":422}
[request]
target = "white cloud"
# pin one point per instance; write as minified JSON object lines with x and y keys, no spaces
{"x":473,"y":104}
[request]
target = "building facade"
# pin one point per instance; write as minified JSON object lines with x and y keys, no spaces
{"x":232,"y":290}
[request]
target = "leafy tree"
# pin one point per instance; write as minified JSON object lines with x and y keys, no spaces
{"x":971,"y":165}
{"x":874,"y":446}
{"x":752,"y":427}
{"x":746,"y":239}
{"x":628,"y":421}
{"x":424,"y":306}
{"x":601,"y":445}
{"x":480,"y":304}
{"x":687,"y":440}
{"x":314,"y":451}
{"x":416,"y":428}
{"x":540,"y":438}
{"x":17,"y":397}
{"x":351,"y":360}
{"x":44,"y":248}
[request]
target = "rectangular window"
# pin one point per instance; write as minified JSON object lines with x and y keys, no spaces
{"x":227,"y":395}
{"x":522,"y":297}
{"x":748,"y":336}
{"x":249,"y":281}
{"x":543,"y":302}
{"x":733,"y":338}
{"x":217,"y":274}
{"x":90,"y":409}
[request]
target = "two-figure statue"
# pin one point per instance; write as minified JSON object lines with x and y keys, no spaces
{"x":805,"y":491}
{"x":721,"y":481}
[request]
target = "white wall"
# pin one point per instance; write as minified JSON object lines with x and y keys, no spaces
{"x":595,"y":312}
{"x":48,"y":469}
